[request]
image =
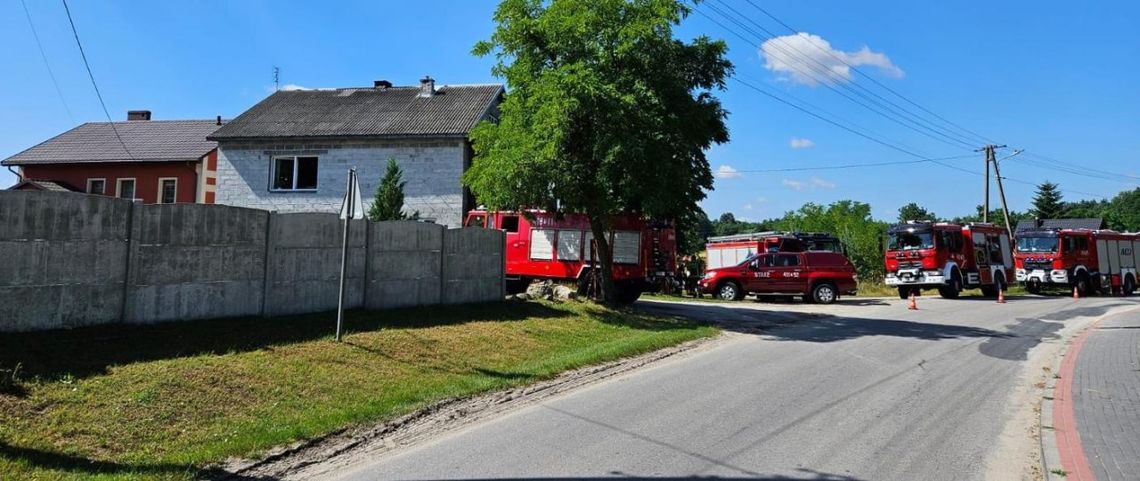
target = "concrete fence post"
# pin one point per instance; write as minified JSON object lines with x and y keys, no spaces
{"x":267,"y":271}
{"x":367,"y":263}
{"x":131,"y":252}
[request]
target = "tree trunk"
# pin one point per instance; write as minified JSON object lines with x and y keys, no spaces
{"x":608,"y":294}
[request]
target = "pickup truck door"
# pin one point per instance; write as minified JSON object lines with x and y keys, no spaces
{"x":787,"y":273}
{"x":760,"y":274}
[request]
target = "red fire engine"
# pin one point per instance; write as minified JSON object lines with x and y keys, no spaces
{"x":540,"y":245}
{"x":949,"y":257}
{"x":731,"y":250}
{"x":1084,"y":259}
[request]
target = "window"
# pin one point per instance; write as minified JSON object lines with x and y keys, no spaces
{"x":510,"y":223}
{"x":995,"y":249}
{"x":476,"y":221}
{"x":787,"y":260}
{"x":569,"y":245}
{"x":763,"y":261}
{"x":1082,"y":243}
{"x":167,"y":190}
{"x":97,"y":186}
{"x":294,"y":173}
{"x":125,"y":189}
{"x":542,"y":244}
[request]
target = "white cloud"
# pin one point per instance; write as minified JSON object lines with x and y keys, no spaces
{"x":761,"y":200}
{"x":747,"y":207}
{"x":727,"y":172}
{"x":822,"y":183}
{"x":793,"y":184}
{"x":292,"y":87}
{"x":799,"y":143}
{"x":809,"y":59}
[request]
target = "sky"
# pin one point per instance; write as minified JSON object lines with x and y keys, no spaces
{"x":1057,"y":79}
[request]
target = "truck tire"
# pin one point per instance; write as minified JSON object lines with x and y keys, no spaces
{"x":729,"y":291}
{"x":904,"y":292}
{"x":952,"y":290}
{"x":1033,"y":287}
{"x":1082,"y":284}
{"x":627,"y":294}
{"x":1129,"y":286}
{"x":824,"y":293}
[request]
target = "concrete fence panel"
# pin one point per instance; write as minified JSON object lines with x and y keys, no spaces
{"x":304,"y":263}
{"x":473,"y":265}
{"x":62,"y":259}
{"x":404,"y":264}
{"x":193,"y":261}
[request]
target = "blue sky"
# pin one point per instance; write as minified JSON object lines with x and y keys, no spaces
{"x":1058,"y":79}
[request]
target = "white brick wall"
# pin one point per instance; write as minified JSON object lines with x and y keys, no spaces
{"x":431,"y":168}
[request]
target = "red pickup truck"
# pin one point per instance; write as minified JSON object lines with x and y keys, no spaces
{"x":817,"y":276}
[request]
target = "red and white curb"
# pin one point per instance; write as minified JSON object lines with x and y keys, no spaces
{"x":1062,"y":454}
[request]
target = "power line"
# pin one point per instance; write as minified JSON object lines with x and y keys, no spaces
{"x":872,"y":79}
{"x":823,"y":74}
{"x":853,"y":165}
{"x":93,"y":84}
{"x":43,"y":55}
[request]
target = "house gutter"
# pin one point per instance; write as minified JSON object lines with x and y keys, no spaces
{"x":19,"y":178}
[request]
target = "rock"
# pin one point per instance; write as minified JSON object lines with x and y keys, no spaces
{"x":522,"y":296}
{"x":566,"y":293}
{"x":548,"y":297}
{"x":539,"y":290}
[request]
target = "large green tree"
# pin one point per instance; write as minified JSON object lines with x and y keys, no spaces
{"x":606,"y":113}
{"x":852,"y":223}
{"x":1047,"y":202}
{"x":913,"y":211}
{"x":388,"y":204}
{"x":1123,"y":212}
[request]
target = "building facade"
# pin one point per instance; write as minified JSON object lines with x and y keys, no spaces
{"x":161,"y":161}
{"x":292,"y":151}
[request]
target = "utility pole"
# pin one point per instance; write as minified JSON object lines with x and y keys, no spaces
{"x":990,"y":157}
{"x":1001,"y":192}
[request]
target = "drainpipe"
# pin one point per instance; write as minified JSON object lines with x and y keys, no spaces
{"x":19,"y":178}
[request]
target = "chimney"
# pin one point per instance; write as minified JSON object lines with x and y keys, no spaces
{"x":381,"y":84}
{"x":219,"y":121}
{"x":138,"y":115}
{"x":427,"y":86}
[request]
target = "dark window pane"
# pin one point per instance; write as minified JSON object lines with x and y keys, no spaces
{"x":306,"y":172}
{"x":789,"y":260}
{"x":511,"y":223}
{"x":126,"y":189}
{"x":97,"y":187}
{"x":169,"y":191}
{"x":283,"y":173}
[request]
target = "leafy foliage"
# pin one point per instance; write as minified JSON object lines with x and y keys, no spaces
{"x":913,"y":211}
{"x":1047,"y":202}
{"x":851,"y":222}
{"x":606,"y":114}
{"x":389,"y":201}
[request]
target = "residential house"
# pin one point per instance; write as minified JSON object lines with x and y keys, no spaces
{"x":153,"y":161}
{"x":292,"y":151}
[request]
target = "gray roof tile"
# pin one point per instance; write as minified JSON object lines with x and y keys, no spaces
{"x":364,"y":112}
{"x":1084,"y":223}
{"x":148,"y":141}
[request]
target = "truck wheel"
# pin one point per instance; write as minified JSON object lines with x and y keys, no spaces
{"x":1083,"y":284}
{"x":729,"y":291}
{"x":904,"y":293}
{"x":627,"y":294}
{"x":824,"y":293}
{"x":1129,"y":286}
{"x":952,"y":290}
{"x":1033,"y":287}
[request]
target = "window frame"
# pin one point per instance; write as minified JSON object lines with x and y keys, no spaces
{"x":296,"y":167}
{"x":119,"y":188}
{"x":99,"y":179}
{"x":158,"y":200}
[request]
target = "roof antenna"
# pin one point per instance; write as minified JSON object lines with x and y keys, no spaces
{"x":276,"y":78}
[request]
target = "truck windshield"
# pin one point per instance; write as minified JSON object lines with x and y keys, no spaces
{"x":1037,"y":244}
{"x":911,"y":241}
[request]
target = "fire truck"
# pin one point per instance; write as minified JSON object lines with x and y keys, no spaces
{"x":948,"y":257}
{"x":543,"y":245}
{"x":731,"y":250}
{"x":1083,"y":259}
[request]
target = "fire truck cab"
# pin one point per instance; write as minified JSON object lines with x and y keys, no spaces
{"x":543,"y":245}
{"x":1083,"y":259}
{"x":948,"y":257}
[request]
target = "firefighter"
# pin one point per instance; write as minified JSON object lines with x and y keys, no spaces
{"x":682,"y":274}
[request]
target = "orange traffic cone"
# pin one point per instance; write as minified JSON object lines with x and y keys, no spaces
{"x":913,"y":304}
{"x":1001,"y":296}
{"x":1076,"y":293}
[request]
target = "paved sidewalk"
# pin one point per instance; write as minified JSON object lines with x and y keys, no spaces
{"x":1106,"y":398}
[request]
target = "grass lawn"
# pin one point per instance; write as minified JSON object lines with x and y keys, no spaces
{"x":166,"y":401}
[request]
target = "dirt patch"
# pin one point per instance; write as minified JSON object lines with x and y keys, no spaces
{"x":313,"y":458}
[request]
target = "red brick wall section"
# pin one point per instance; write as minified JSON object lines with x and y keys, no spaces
{"x":146,"y":175}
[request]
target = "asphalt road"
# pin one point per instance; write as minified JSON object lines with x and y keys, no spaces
{"x":864,"y":390}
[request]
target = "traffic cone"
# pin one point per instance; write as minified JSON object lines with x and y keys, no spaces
{"x":1001,"y":296}
{"x":913,"y":304}
{"x":1076,"y":293}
